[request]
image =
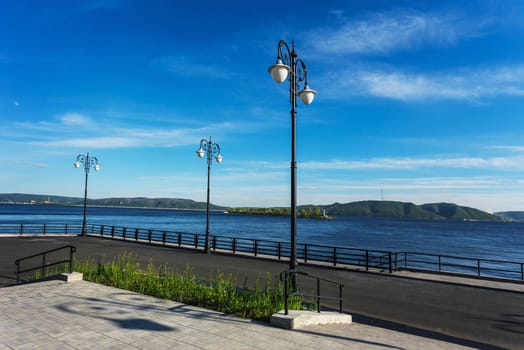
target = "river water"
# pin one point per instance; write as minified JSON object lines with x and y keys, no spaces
{"x":475,"y":239}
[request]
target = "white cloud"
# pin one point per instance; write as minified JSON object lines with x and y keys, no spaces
{"x":456,"y":85}
{"x":181,"y":65}
{"x":78,"y":130}
{"x":510,"y":148}
{"x":93,"y":142}
{"x":504,"y":163}
{"x":40,"y":165}
{"x":401,"y":30}
{"x":74,"y":119}
{"x":413,"y":183}
{"x":127,"y":138}
{"x":395,"y":30}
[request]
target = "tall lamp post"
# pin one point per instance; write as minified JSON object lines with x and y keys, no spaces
{"x":207,"y":147}
{"x":288,"y":64}
{"x":88,"y":162}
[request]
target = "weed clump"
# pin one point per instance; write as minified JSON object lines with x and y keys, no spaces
{"x":221,"y":292}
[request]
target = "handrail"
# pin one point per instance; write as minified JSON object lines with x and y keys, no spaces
{"x":72,"y":250}
{"x":456,"y":264}
{"x":40,"y":229}
{"x":306,"y":253}
{"x":285,"y":275}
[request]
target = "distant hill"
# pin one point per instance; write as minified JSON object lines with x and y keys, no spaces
{"x":38,"y":199}
{"x":457,"y":212}
{"x":443,"y":211}
{"x":161,"y":203}
{"x":379,"y":208}
{"x":446,"y":211}
{"x":511,"y":215}
{"x":138,"y":202}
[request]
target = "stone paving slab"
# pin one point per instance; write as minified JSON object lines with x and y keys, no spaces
{"x":85,"y":315}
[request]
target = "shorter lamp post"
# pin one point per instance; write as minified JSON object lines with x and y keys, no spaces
{"x":87,"y":161}
{"x":211,"y":149}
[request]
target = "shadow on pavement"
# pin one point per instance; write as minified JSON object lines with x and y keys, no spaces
{"x":375,"y":322}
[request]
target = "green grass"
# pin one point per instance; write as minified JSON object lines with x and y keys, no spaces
{"x":220,"y":292}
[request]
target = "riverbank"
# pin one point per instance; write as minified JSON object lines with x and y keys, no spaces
{"x":471,"y":315}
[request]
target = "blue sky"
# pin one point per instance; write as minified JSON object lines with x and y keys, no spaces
{"x":417,"y":101}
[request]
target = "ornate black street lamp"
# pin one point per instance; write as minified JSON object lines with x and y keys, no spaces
{"x":211,"y":149}
{"x":87,"y":161}
{"x":288,"y":63}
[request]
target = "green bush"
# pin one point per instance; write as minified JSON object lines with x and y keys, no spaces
{"x":221,"y":292}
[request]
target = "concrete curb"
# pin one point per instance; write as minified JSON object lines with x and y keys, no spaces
{"x":299,"y":319}
{"x":71,"y":277}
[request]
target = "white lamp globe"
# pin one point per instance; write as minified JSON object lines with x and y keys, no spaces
{"x":279,"y":71}
{"x":307,"y":95}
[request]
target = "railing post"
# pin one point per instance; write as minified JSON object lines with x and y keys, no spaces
{"x":367,"y":260}
{"x":305,"y":253}
{"x":71,"y":251}
{"x":340,"y":301}
{"x":255,"y":247}
{"x":234,"y":245}
{"x":390,"y":263}
{"x":439,"y":263}
{"x":21,"y":229}
{"x":334,"y":256}
{"x":286,"y":283}
{"x":17,"y":271}
{"x":136,"y":234}
{"x":150,"y":235}
{"x":522,"y":271}
{"x":279,"y":252}
{"x":214,"y":243}
{"x":478,"y":267}
{"x":124,"y":233}
{"x":43,"y":265}
{"x":396,"y":261}
{"x":164,"y":238}
{"x":65,"y":229}
{"x":44,"y":228}
{"x":179,"y":239}
{"x":318,"y":295}
{"x":196,"y":241}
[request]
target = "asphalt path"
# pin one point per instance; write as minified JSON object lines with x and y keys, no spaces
{"x":476,"y":316}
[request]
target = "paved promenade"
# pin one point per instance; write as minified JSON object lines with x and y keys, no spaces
{"x":390,"y":312}
{"x":84,"y":315}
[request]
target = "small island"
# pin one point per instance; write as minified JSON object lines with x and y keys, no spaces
{"x":309,"y":212}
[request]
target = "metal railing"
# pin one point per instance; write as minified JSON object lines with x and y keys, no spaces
{"x":287,"y":276}
{"x":40,"y":229}
{"x":461,"y":265}
{"x":45,"y":262}
{"x":384,"y":261}
{"x":377,"y":260}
